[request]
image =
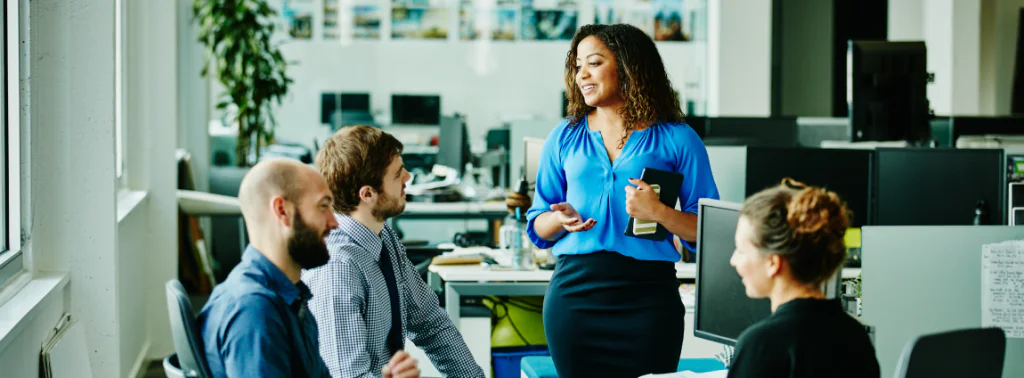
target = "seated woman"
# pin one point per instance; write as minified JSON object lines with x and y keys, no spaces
{"x":789,"y":241}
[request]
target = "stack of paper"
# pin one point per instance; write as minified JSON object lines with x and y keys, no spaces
{"x":65,"y":353}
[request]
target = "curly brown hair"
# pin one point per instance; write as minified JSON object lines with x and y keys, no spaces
{"x":805,"y":225}
{"x":643,"y":82}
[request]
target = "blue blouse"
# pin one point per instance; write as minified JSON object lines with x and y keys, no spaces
{"x":574,"y":168}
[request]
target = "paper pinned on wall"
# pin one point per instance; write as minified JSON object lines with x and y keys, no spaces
{"x":1002,"y":287}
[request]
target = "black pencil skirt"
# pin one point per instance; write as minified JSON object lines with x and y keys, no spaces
{"x":608,"y":315}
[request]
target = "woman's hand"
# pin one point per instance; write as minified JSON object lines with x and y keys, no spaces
{"x":642,"y":203}
{"x":570,"y":219}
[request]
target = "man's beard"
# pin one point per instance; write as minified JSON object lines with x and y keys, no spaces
{"x":307,"y":247}
{"x":387,"y":207}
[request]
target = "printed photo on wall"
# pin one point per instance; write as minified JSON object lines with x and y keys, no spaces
{"x":422,"y":23}
{"x":487,"y":19}
{"x":366,"y":21}
{"x":633,"y":12}
{"x":298,"y":18}
{"x":549,"y":19}
{"x":668,"y":21}
{"x":331,"y":10}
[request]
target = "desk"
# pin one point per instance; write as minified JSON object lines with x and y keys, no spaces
{"x":478,"y":280}
{"x":494,"y":212}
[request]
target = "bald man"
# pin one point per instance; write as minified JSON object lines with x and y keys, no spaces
{"x":256,"y":323}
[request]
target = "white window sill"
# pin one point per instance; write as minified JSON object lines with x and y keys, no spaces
{"x":24,"y":305}
{"x":128,"y":201}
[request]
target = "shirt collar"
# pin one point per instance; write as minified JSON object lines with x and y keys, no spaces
{"x":274,"y":278}
{"x":360,"y":234}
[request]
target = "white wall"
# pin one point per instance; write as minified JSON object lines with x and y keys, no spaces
{"x":952,"y":32}
{"x":998,"y":60}
{"x":73,"y":184}
{"x":484,"y":81}
{"x":151,"y":238}
{"x":739,"y":57}
{"x":116,"y":272}
{"x":806,"y":50}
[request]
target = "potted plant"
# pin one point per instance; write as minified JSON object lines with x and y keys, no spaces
{"x":237,"y":35}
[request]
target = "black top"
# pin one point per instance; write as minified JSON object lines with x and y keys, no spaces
{"x":806,"y":338}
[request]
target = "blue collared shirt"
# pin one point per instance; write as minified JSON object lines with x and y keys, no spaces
{"x":256,"y":324}
{"x":574,"y":168}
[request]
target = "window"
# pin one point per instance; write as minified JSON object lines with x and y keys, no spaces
{"x":11,"y":261}
{"x":119,"y":93}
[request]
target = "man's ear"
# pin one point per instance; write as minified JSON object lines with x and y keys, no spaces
{"x":366,"y":194}
{"x":279,"y":208}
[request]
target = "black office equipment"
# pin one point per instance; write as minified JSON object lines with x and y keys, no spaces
{"x":723,"y":310}
{"x":888,"y":99}
{"x":698,"y":124}
{"x":415,"y":109}
{"x":329,"y":103}
{"x":961,"y":126}
{"x":752,"y":131}
{"x":359,"y":102}
{"x":920,"y":186}
{"x":667,"y":184}
{"x":453,"y":143}
{"x":846,"y":172}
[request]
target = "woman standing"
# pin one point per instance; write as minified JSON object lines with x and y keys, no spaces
{"x":613,"y":307}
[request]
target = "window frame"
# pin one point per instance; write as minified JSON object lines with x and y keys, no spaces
{"x":120,"y":132}
{"x":11,"y":257}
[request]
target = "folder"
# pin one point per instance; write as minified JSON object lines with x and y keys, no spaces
{"x":667,"y":185}
{"x":64,"y":353}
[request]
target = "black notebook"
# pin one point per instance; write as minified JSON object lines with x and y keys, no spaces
{"x":666,"y":184}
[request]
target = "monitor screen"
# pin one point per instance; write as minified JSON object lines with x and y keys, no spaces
{"x":846,"y":172}
{"x":752,"y":131}
{"x":939,"y":186}
{"x":453,"y":143}
{"x":723,"y":310}
{"x":415,"y":109}
{"x":531,"y":158}
{"x":355,"y":102}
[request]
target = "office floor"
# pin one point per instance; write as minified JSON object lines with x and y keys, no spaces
{"x":154,"y":370}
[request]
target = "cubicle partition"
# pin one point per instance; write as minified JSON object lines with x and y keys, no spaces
{"x":927,"y":279}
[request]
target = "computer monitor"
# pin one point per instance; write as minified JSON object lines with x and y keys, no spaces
{"x":846,"y":172}
{"x":1006,"y":125}
{"x":531,"y":159}
{"x":886,"y":91}
{"x":938,"y":186}
{"x":415,"y":109}
{"x":752,"y":131}
{"x":453,"y":143}
{"x":723,"y":310}
{"x":355,"y":102}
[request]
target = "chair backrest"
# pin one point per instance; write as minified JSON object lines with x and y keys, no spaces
{"x":188,"y":342}
{"x":976,"y":352}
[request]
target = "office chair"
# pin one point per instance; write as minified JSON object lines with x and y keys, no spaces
{"x":976,"y":352}
{"x":172,"y":368}
{"x":188,"y":343}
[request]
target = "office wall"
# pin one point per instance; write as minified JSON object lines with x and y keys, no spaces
{"x":806,"y":57}
{"x":1004,"y":23}
{"x":739,"y":57}
{"x":148,"y":238}
{"x":73,"y":225}
{"x":486,"y":81}
{"x":952,"y":31}
{"x":116,"y":271}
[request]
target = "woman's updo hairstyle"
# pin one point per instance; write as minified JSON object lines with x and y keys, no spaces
{"x":803,"y":224}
